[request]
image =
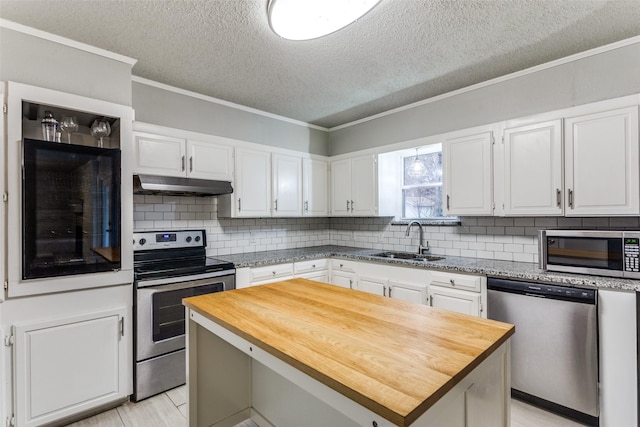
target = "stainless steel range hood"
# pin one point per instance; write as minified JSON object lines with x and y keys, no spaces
{"x":151,"y":184}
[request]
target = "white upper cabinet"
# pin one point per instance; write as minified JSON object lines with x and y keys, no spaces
{"x":315,"y":182}
{"x":160,"y":155}
{"x":252,"y":195}
{"x":364,"y":186}
{"x":354,"y":186}
{"x":602,"y":163}
{"x":172,"y":156}
{"x":266,"y":185}
{"x":533,"y":169}
{"x":207,"y":160}
{"x":287,"y":185}
{"x":467,"y":172}
{"x":341,"y":187}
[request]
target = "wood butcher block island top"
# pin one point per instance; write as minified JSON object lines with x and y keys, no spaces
{"x":395,"y":358}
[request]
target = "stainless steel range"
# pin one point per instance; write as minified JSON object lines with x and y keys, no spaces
{"x":168,"y":266}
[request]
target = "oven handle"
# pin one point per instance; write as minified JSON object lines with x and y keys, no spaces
{"x":183,"y":280}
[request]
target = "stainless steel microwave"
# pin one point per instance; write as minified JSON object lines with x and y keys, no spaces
{"x":601,"y":253}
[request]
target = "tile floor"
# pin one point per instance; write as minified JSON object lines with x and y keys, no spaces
{"x":169,"y":410}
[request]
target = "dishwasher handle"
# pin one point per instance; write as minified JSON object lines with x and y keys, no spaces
{"x":543,"y":290}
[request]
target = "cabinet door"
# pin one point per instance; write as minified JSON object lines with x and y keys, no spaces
{"x":455,"y":300}
{"x":287,"y":185}
{"x":342,"y":278}
{"x":315,"y":178}
{"x":602,"y":164}
{"x":533,"y":169}
{"x":207,"y":160}
{"x":364,"y":186}
{"x":372,"y":285}
{"x":408,"y":292}
{"x":160,"y":155}
{"x":467,"y":173}
{"x":67,"y":366}
{"x":253,"y":183}
{"x":341,"y":187}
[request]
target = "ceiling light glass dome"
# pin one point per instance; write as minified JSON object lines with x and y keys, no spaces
{"x":309,"y":19}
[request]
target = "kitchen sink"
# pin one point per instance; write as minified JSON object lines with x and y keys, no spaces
{"x":409,"y":256}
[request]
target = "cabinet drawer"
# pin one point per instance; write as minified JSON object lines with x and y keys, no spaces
{"x":269,"y":272}
{"x":342,"y":265}
{"x":456,"y":281}
{"x":310,"y":266}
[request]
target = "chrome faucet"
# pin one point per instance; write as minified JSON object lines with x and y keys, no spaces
{"x":422,"y":248}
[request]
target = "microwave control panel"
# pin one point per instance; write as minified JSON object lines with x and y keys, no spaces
{"x":632,"y":254}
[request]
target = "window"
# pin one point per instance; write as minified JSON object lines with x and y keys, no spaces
{"x":410,"y":182}
{"x":422,"y":186}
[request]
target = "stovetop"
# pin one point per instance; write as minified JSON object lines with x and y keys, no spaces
{"x":179,"y":267}
{"x":166,"y":254}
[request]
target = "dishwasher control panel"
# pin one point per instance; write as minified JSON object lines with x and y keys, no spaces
{"x":631,"y":254}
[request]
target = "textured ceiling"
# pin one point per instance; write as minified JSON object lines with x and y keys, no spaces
{"x":403,"y":51}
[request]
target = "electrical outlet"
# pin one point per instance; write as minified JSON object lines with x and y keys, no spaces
{"x":252,"y":238}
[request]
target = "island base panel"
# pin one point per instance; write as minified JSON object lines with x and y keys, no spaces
{"x":218,"y":380}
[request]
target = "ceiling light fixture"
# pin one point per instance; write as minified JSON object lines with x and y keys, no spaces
{"x":310,"y":19}
{"x":417,"y":169}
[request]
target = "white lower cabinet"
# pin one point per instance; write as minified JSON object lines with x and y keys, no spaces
{"x":342,"y":273}
{"x":316,"y":269}
{"x":462,"y":293}
{"x":372,"y":285}
{"x":452,"y":299}
{"x":271,"y":273}
{"x":410,"y":292}
{"x":404,"y":283}
{"x":69,"y":365}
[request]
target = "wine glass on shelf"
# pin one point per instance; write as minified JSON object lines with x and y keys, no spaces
{"x":99,"y":129}
{"x":68,"y":125}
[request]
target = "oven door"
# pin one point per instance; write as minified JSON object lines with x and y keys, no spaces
{"x":160,"y":315}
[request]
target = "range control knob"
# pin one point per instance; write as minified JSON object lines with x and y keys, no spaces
{"x":142,"y":241}
{"x":197,"y":238}
{"x":188,"y":239}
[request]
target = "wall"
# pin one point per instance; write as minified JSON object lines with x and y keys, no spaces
{"x":44,"y":63}
{"x":605,"y":75}
{"x":179,"y":110}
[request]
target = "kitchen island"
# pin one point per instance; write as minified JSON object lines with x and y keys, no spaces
{"x":300,"y":352}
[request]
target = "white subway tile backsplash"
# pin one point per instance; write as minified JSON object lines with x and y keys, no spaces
{"x":478,"y":237}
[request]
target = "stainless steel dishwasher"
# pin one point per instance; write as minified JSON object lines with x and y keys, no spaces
{"x":554,"y":352}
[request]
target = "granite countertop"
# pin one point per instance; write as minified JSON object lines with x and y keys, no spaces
{"x":485,"y":267}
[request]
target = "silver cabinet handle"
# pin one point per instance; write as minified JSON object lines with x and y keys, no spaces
{"x":347,"y":206}
{"x":276,"y":202}
{"x":447,"y":202}
{"x":453,"y":283}
{"x":384,"y":291}
{"x":239,"y":205}
{"x":350,"y":284}
{"x":389,"y":291}
{"x":182,"y":161}
{"x":352,"y":206}
{"x":191,"y":164}
{"x":558,"y":197}
{"x":570,"y":198}
{"x":306,"y":206}
{"x":431,"y":300}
